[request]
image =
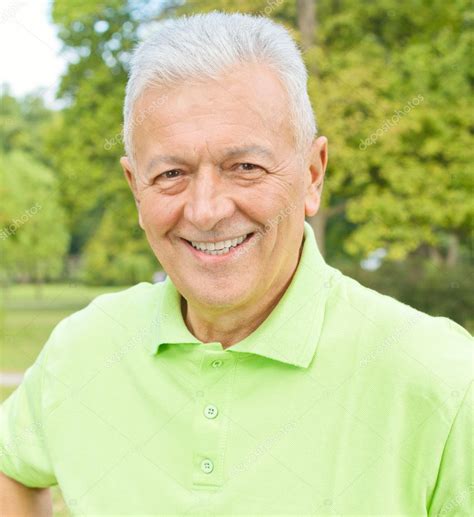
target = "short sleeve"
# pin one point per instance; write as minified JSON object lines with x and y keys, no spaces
{"x":23,"y":451}
{"x":454,"y":490}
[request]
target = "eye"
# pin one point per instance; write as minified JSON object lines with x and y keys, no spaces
{"x":249,"y":166}
{"x":169,"y":174}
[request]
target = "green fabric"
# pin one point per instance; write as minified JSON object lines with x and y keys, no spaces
{"x":343,"y":402}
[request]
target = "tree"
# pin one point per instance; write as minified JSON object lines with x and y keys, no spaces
{"x":33,"y":236}
{"x":390,"y":92}
{"x":23,"y":124}
{"x":388,"y":81}
{"x":86,"y":142}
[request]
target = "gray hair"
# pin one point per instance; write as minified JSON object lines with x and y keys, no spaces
{"x":203,"y":46}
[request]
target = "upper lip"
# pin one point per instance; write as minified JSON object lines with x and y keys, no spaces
{"x":219,"y":240}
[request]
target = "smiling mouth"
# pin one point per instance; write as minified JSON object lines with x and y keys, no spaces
{"x":221,"y":247}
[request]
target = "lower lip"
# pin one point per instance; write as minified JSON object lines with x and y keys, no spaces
{"x":214,"y":259}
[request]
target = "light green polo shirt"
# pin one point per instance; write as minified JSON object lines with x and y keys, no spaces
{"x":343,"y":402}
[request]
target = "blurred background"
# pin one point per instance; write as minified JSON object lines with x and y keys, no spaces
{"x":390,"y":83}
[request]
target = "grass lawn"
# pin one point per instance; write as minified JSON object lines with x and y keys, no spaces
{"x":27,"y":317}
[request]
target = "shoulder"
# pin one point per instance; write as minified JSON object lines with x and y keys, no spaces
{"x":124,"y":306}
{"x":113,"y":311}
{"x":84,"y":340}
{"x":399,"y":339}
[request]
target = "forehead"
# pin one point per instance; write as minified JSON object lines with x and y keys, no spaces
{"x":248,"y":98}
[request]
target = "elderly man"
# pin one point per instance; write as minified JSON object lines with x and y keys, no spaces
{"x":256,"y":379}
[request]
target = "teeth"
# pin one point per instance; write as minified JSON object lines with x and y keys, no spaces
{"x":218,"y":248}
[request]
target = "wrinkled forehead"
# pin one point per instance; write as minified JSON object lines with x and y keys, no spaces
{"x":247,"y":97}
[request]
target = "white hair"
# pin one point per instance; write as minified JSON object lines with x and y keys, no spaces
{"x":204,"y":46}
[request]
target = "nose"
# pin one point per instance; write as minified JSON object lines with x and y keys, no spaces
{"x":209,"y":201}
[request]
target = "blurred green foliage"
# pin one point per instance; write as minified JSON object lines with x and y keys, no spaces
{"x":104,"y":264}
{"x":24,"y":125}
{"x":34,"y":238}
{"x":390,"y":84}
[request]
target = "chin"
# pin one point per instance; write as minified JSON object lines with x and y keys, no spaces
{"x":221,"y":297}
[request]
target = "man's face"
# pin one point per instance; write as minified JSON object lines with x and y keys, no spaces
{"x":215,"y":162}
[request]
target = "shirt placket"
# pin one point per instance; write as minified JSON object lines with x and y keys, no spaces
{"x":211,"y":415}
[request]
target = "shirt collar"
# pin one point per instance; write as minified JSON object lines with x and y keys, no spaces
{"x":289,"y":334}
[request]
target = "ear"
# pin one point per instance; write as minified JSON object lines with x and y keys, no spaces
{"x":132,"y":183}
{"x":314,"y":175}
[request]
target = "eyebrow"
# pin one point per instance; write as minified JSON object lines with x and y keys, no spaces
{"x":230,"y":152}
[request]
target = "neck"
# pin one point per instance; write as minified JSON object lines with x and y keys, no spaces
{"x":230,"y":327}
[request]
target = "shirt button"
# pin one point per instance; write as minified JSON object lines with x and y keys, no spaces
{"x":216,"y":363}
{"x":210,"y":411}
{"x":207,"y":466}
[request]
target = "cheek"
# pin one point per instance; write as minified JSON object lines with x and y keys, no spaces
{"x":157,"y":212}
{"x":281,"y":210}
{"x":272,"y":198}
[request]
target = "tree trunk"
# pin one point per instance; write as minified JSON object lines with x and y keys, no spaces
{"x":452,"y":256}
{"x":306,"y":21}
{"x":435,"y":256}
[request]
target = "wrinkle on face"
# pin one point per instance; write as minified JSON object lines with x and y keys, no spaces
{"x":231,"y":109}
{"x":212,"y":197}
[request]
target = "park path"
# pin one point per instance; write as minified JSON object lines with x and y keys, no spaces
{"x":9,"y":379}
